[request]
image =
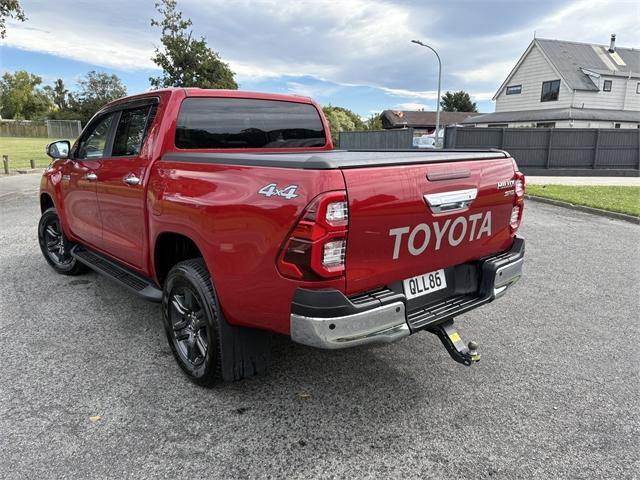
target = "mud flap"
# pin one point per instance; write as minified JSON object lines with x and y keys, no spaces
{"x":452,"y":341}
{"x":245,"y":352}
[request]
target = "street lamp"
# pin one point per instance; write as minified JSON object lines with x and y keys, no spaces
{"x":439,"y":82}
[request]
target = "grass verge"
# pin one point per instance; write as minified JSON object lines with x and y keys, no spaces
{"x":611,"y":198}
{"x":22,"y":149}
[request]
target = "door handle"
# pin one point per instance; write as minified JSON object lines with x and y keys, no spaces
{"x":131,"y":179}
{"x":92,"y":177}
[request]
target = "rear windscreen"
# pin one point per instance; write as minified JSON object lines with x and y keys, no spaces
{"x":247,"y":123}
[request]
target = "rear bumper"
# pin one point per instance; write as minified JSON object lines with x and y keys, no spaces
{"x":329,"y":319}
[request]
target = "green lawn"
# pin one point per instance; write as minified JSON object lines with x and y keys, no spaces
{"x":23,"y":149}
{"x":615,"y":199}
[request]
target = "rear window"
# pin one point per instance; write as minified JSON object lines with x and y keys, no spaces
{"x":247,"y":123}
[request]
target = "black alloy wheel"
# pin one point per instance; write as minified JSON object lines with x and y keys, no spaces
{"x":55,"y":247}
{"x":189,"y":326}
{"x":192,"y":317}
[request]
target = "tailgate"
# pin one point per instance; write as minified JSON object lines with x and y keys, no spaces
{"x":408,"y":220}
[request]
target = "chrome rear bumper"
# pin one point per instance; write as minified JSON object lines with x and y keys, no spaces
{"x":328,"y":319}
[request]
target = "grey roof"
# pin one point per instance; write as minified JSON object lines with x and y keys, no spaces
{"x":569,"y":57}
{"x":557,"y":114}
{"x":421,"y":119}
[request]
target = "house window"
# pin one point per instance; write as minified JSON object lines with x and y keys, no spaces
{"x":606,"y":87}
{"x":514,"y":89}
{"x":617,"y":125}
{"x":550,"y":91}
{"x":546,"y":125}
{"x":498,"y":125}
{"x":638,"y":88}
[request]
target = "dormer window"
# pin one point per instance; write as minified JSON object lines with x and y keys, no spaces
{"x":514,"y":89}
{"x":606,"y":86}
{"x":550,"y":91}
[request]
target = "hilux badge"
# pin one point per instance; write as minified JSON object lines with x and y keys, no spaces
{"x":502,"y":184}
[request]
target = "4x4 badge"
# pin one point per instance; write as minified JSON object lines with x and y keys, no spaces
{"x":272,"y":189}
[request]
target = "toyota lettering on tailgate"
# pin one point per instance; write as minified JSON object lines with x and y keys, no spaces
{"x":452,"y":231}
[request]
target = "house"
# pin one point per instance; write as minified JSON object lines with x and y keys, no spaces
{"x":568,"y":84}
{"x":422,"y":122}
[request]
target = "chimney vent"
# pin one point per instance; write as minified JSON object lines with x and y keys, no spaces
{"x":612,"y":46}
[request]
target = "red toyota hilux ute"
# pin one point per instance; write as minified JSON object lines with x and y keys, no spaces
{"x":234,"y":211}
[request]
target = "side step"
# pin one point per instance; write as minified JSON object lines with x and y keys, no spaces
{"x":121,"y":274}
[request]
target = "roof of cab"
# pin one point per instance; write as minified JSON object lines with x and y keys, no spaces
{"x":206,"y":92}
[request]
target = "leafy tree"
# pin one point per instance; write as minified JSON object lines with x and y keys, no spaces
{"x":10,"y":9}
{"x":57,"y":94}
{"x":458,"y":102}
{"x":95,"y":90}
{"x":341,"y":120}
{"x":186,"y":62}
{"x":374,"y":122}
{"x":21,"y":97}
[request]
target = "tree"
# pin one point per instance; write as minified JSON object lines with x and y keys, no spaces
{"x":95,"y":90}
{"x":342,"y":120}
{"x":20,"y":97}
{"x":10,"y":9}
{"x":374,"y":122}
{"x":458,"y":102}
{"x":186,"y":62}
{"x":57,"y":94}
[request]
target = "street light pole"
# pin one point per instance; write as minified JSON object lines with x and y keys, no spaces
{"x":439,"y":83}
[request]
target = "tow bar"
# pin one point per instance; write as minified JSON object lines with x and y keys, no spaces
{"x":452,"y":341}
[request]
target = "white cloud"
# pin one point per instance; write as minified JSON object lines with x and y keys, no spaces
{"x":489,"y":72}
{"x":400,"y":92}
{"x":413,"y":106}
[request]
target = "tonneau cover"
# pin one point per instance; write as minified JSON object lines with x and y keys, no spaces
{"x":334,"y":159}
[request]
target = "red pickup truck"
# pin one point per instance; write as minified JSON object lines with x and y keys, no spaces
{"x":233,"y":209}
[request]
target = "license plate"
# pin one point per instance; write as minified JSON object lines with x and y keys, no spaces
{"x":424,"y":284}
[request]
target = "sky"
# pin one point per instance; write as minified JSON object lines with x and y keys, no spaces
{"x":351,"y":53}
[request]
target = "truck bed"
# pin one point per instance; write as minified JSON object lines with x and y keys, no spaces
{"x":334,"y":159}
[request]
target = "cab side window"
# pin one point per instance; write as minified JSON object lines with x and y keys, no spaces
{"x":131,"y":131}
{"x":94,"y":143}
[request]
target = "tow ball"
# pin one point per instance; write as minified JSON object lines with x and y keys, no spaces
{"x":452,"y":341}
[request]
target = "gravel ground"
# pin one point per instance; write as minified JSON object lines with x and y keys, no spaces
{"x":89,"y":389}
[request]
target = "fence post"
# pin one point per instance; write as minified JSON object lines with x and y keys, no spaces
{"x":5,"y":163}
{"x":549,"y":147}
{"x":502,"y":140}
{"x":639,"y":149}
{"x":33,"y":163}
{"x":596,"y":150}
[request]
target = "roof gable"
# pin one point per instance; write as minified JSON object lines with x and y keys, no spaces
{"x":569,"y":59}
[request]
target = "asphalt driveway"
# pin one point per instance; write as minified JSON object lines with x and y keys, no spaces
{"x":89,"y":389}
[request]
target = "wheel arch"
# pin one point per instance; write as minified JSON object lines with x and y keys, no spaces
{"x":46,"y":202}
{"x":170,"y":248}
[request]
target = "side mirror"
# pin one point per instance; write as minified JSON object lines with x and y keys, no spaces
{"x":59,"y":149}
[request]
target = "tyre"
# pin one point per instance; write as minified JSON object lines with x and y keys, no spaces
{"x":192,"y":320}
{"x":54,"y":246}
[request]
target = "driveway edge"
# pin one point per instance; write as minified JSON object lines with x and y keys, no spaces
{"x":582,"y":208}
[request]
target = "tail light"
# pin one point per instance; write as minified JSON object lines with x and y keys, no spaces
{"x":518,"y":207}
{"x":316,"y":247}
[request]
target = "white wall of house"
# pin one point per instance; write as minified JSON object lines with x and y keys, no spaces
{"x":533,"y":70}
{"x":632,"y":100}
{"x":619,"y":98}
